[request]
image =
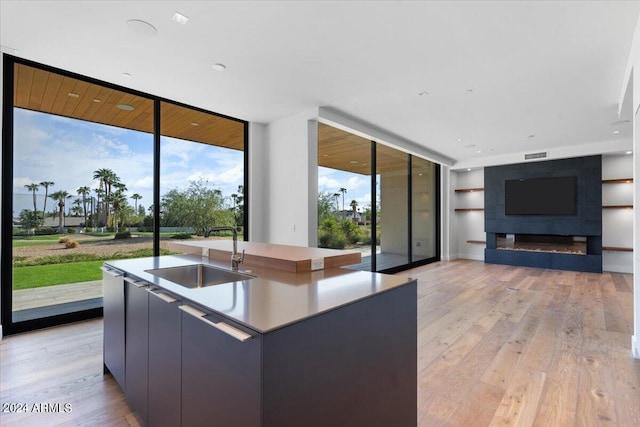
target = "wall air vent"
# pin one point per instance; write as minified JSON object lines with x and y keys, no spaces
{"x":532,"y":156}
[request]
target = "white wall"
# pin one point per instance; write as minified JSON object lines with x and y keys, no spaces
{"x":393,"y":216}
{"x":288,"y":212}
{"x":1,"y":125}
{"x":448,"y":181}
{"x":617,"y":224}
{"x":258,"y":184}
{"x":635,"y":340}
{"x":468,"y":225}
{"x":631,"y":85}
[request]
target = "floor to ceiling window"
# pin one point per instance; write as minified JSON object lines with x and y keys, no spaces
{"x":81,"y":161}
{"x":378,"y":200}
{"x":392,"y":171}
{"x":202,"y":173}
{"x":424,"y":214}
{"x":82,"y":156}
{"x":345,"y":203}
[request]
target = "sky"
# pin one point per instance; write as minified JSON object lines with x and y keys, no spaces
{"x":68,"y":151}
{"x":358,"y":186}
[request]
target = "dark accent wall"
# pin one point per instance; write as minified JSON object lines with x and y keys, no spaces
{"x":586,"y":222}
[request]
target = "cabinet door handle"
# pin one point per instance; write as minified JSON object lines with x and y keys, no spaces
{"x":111,"y":272}
{"x":164,"y":297}
{"x":136,"y":283}
{"x":221,"y":326}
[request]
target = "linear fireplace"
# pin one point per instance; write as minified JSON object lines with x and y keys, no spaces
{"x":578,"y":253}
{"x":576,"y":245}
{"x":560,"y":241}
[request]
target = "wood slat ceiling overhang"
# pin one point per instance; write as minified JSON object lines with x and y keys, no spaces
{"x":52,"y":93}
{"x":338,"y":149}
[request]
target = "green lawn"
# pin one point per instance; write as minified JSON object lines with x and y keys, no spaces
{"x":72,"y":268}
{"x":56,"y":274}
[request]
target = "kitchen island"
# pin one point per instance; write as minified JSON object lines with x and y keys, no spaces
{"x":332,"y":347}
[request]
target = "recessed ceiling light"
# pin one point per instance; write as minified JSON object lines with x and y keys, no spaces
{"x":459,"y":139}
{"x":96,"y":100}
{"x":195,"y":124}
{"x":180,"y":18}
{"x":219,"y":67}
{"x":353,"y":162}
{"x":531,"y":136}
{"x":423,"y":93}
{"x":127,"y":75}
{"x":141,"y":28}
{"x":73,"y":95}
{"x":469,"y":90}
{"x":468,"y":169}
{"x":125,"y":107}
{"x":615,"y":132}
{"x":479,"y":151}
{"x":629,"y":152}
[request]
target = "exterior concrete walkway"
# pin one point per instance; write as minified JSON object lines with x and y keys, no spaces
{"x":24,"y":299}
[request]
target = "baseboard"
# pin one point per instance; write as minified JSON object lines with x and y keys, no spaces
{"x":617,"y":268}
{"x":475,"y":257}
{"x":635,"y":347}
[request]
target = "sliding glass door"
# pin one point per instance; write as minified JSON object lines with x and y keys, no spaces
{"x":378,"y":200}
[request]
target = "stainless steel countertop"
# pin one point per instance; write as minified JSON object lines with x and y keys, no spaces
{"x":274,"y":298}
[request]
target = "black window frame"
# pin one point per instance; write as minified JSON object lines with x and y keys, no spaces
{"x":10,"y":327}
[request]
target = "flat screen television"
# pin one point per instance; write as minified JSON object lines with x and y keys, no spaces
{"x":540,"y":196}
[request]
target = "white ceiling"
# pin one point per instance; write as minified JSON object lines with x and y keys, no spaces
{"x":494,"y":72}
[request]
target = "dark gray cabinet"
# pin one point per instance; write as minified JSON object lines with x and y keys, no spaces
{"x":137,"y":345}
{"x":114,"y":321}
{"x":221,"y":375}
{"x":165,"y":359}
{"x":353,"y":366}
{"x":183,"y":365}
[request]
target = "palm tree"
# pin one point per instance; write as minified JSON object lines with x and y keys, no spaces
{"x":46,"y":185}
{"x":354,"y":207}
{"x":33,"y":188}
{"x":343,"y":191}
{"x":76,"y":209}
{"x":119,"y":200}
{"x":336,"y":195}
{"x":84,"y":192}
{"x":60,"y":197}
{"x":106,"y":178}
{"x":136,"y":197}
{"x":99,"y":195}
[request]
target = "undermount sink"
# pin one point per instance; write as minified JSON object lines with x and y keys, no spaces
{"x":199,"y":275}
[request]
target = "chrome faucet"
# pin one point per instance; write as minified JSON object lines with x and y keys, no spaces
{"x":236,"y":258}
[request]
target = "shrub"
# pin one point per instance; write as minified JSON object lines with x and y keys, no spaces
{"x":70,"y":243}
{"x":331,"y":235}
{"x":71,"y":230}
{"x":331,"y":240}
{"x":45,"y":231}
{"x":122,"y":235}
{"x":182,"y":236}
{"x":367,"y":239}
{"x":351,"y":231}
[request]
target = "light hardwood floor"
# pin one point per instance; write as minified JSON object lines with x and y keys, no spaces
{"x":498,"y":345}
